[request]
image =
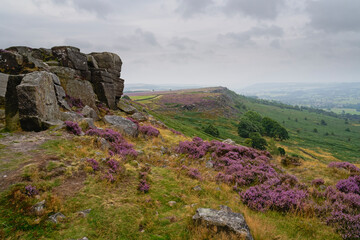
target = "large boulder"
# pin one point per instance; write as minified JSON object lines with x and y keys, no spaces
{"x":123,"y":125}
{"x":31,"y":55}
{"x":83,"y":90}
{"x":223,"y":219}
{"x":37,"y":101}
{"x":11,"y":103}
{"x":108,"y":61}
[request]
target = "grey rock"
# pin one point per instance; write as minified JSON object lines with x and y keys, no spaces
{"x":104,"y":87}
{"x":11,"y":62}
{"x":322,"y":187}
{"x":84,"y":213}
{"x":140,"y":117}
{"x":107,"y":60}
{"x":70,"y":57}
{"x":11,"y":104}
{"x":92,"y":61}
{"x":83,"y":90}
{"x":164,"y":150}
{"x":104,"y":145}
{"x":56,"y":217}
{"x":37,"y":101}
{"x":52,"y":63}
{"x":87,"y":123}
{"x":32,"y":57}
{"x":124,"y":106}
{"x":38,"y":208}
{"x":3,"y":84}
{"x":197,"y":188}
{"x":171,"y":203}
{"x":209,"y":164}
{"x":70,"y":116}
{"x":229,"y":141}
{"x":122,"y":124}
{"x":224,"y":219}
{"x":88,"y":112}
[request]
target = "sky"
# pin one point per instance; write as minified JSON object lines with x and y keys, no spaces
{"x":232,"y":43}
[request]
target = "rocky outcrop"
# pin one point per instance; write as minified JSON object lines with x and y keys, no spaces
{"x":224,"y":219}
{"x":34,"y":84}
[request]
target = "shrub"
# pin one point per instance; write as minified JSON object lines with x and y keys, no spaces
{"x":143,"y":186}
{"x":94,"y":164}
{"x":150,"y":131}
{"x":291,"y":160}
{"x":31,"y":191}
{"x":257,"y":141}
{"x":317,"y":182}
{"x":73,"y":127}
{"x":74,"y":102}
{"x":344,"y":165}
{"x":211,"y":130}
{"x":281,"y":151}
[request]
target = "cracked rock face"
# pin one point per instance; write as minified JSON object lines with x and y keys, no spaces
{"x":224,"y":219}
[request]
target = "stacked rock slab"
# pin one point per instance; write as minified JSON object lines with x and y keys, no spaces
{"x":105,"y":76}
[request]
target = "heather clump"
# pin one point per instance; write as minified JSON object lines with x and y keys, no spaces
{"x":118,"y":145}
{"x":73,"y":127}
{"x":31,"y":191}
{"x":94,"y":164}
{"x":196,"y":148}
{"x":192,"y":172}
{"x":149,"y":131}
{"x":350,"y":185}
{"x":144,"y":186}
{"x":74,"y":102}
{"x":344,"y":165}
{"x":317,"y":182}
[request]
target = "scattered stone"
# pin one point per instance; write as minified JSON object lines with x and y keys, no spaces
{"x":124,"y":106}
{"x":38,"y":208}
{"x":164,"y":150}
{"x":87,"y":123}
{"x":229,"y":141}
{"x":104,"y":145}
{"x":5,"y":176}
{"x":89,"y":112}
{"x":322,"y":187}
{"x":171,"y":203}
{"x":124,"y":125}
{"x":209,"y":164}
{"x":140,"y":117}
{"x":224,"y":220}
{"x":70,"y":116}
{"x":197,"y":188}
{"x":56,"y":217}
{"x":84,"y":213}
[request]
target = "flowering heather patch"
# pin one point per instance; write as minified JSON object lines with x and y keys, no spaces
{"x":317,"y":182}
{"x":94,"y":164}
{"x":344,"y":165}
{"x":73,"y":127}
{"x":196,"y":148}
{"x":31,"y":191}
{"x":149,"y":131}
{"x":109,"y":177}
{"x":350,"y":185}
{"x":192,"y":172}
{"x":205,"y":99}
{"x":103,"y":108}
{"x":118,"y":145}
{"x":74,"y":102}
{"x":114,"y":166}
{"x":143,"y":186}
{"x":176,"y":132}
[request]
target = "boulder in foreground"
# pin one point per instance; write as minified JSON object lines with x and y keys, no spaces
{"x":225,"y":220}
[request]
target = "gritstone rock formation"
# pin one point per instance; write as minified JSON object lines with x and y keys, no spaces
{"x":34,"y":84}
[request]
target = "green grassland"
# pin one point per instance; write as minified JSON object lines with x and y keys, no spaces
{"x":338,"y":137}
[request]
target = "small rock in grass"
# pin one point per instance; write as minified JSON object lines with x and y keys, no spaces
{"x":56,"y":217}
{"x":209,"y":164}
{"x":171,"y":203}
{"x":197,"y":188}
{"x":39,"y":207}
{"x":84,"y":213}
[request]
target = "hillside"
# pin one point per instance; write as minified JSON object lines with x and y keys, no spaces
{"x":80,"y":161}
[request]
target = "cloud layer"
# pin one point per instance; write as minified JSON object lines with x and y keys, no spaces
{"x":209,"y":42}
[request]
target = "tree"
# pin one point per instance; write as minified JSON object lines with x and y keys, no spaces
{"x":322,"y":122}
{"x":246,"y":127}
{"x":257,"y":141}
{"x":281,"y":151}
{"x":274,"y":129}
{"x":213,"y":131}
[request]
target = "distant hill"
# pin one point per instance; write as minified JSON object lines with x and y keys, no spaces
{"x":320,"y":95}
{"x":142,"y":87}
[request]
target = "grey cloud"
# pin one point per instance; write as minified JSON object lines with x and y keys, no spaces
{"x":138,"y":40}
{"x":247,"y":37}
{"x":335,"y":15}
{"x":260,"y":9}
{"x":189,"y":8}
{"x":182,"y":43}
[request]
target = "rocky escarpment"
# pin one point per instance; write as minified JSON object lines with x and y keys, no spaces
{"x":35,"y":82}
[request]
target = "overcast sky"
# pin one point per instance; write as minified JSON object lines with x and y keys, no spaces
{"x":232,"y":43}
